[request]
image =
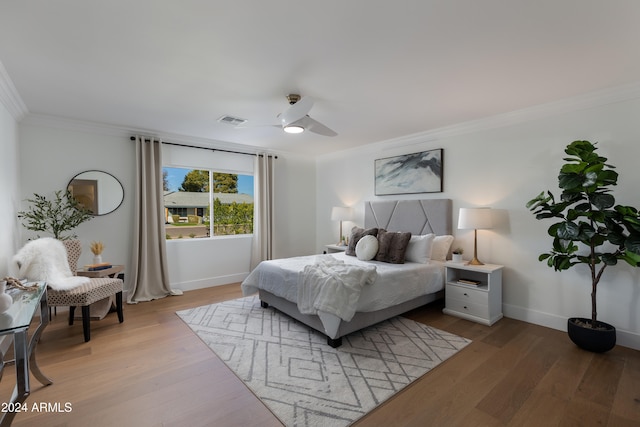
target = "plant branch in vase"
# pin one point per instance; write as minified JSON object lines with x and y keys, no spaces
{"x":589,"y":230}
{"x":456,"y":255}
{"x":55,"y":216}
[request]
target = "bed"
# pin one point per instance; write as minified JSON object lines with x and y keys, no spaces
{"x":395,"y":289}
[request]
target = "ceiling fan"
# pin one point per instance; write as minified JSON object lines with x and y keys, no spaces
{"x":295,"y":119}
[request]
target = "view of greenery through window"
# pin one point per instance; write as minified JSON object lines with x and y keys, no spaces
{"x":193,"y":197}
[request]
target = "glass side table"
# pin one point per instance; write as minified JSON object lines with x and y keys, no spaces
{"x":16,"y":321}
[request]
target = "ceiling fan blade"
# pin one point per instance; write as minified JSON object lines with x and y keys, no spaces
{"x":315,"y":126}
{"x":296,"y":111}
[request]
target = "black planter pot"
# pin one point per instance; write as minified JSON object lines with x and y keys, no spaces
{"x":596,"y":340}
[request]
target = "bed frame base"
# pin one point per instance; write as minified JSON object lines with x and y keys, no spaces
{"x":335,"y":343}
{"x":360,"y":320}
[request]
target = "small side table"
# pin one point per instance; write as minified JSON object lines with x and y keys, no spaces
{"x":481,"y":303}
{"x":101,"y":308}
{"x":332,"y":249}
{"x":107,"y":272}
{"x":16,"y":322}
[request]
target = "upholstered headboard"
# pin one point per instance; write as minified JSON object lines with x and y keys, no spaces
{"x":422,"y":216}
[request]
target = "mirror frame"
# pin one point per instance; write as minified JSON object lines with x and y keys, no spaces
{"x":96,"y":190}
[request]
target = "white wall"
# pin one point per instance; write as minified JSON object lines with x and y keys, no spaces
{"x":9,"y":189}
{"x":53,"y":151}
{"x":504,"y":165}
{"x":51,"y":156}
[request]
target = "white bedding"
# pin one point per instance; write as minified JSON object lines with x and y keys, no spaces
{"x":395,"y":283}
{"x":333,"y":286}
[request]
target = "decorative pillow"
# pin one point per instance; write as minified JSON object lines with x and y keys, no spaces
{"x":419,"y":248}
{"x":356,"y":234}
{"x":441,"y":246}
{"x":367,"y":248}
{"x":392,"y":246}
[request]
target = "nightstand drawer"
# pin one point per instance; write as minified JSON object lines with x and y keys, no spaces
{"x":468,"y":294}
{"x":482,"y":304}
{"x":467,"y":307}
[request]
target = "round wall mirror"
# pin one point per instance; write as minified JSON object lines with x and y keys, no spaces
{"x":99,"y":192}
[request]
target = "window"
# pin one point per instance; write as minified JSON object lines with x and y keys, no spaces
{"x":204,"y":203}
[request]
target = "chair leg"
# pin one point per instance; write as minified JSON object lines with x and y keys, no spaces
{"x":85,"y":323}
{"x":119,"y":306}
{"x":72,"y":310}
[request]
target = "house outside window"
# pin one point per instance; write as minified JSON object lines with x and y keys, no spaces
{"x":192,"y":210}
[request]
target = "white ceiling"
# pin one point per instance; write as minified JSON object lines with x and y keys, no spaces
{"x":378,"y":69}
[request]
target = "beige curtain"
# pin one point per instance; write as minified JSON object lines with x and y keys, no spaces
{"x":262,"y":245}
{"x":149,"y":264}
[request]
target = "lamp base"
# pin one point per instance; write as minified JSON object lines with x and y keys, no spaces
{"x":475,"y":260}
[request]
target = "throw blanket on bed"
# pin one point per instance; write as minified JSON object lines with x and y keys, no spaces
{"x":46,"y":259}
{"x":332,"y":286}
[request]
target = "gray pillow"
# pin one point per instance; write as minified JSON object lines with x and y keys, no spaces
{"x":392,"y":246}
{"x":356,"y":234}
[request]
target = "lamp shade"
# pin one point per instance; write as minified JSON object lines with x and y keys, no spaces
{"x":340,"y":213}
{"x":475,"y":218}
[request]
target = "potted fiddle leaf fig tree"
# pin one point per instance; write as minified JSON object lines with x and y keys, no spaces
{"x":590,"y":230}
{"x":56,"y":216}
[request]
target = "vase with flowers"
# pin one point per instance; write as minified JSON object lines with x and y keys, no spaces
{"x":96,"y":249}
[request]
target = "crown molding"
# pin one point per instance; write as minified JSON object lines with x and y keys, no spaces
{"x":586,"y":101}
{"x":119,"y":131}
{"x":581,"y":102}
{"x":9,"y":96}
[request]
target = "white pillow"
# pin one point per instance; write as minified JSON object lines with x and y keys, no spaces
{"x":419,"y":248}
{"x":441,"y":246}
{"x":367,"y":248}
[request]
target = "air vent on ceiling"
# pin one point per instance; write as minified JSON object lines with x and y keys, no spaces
{"x":234,"y":121}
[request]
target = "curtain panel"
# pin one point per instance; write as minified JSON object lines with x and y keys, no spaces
{"x":263,"y":199}
{"x":149,"y":264}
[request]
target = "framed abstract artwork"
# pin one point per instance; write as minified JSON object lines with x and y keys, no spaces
{"x":409,"y":173}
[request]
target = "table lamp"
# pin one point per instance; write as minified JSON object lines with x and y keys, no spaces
{"x":339,"y":213}
{"x":476,"y":219}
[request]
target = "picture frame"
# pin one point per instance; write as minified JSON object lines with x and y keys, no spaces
{"x":413,"y":173}
{"x":85,"y":191}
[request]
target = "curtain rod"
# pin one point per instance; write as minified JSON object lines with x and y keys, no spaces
{"x":133,"y":138}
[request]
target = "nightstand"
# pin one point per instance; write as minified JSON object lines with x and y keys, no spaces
{"x":330,"y":249}
{"x":481,"y":303}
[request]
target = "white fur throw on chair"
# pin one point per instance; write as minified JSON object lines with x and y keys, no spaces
{"x":46,"y":259}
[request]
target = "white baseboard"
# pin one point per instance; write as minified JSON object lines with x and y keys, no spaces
{"x":209,"y":282}
{"x":623,"y":338}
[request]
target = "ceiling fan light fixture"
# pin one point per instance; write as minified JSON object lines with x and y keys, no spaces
{"x":293,"y":129}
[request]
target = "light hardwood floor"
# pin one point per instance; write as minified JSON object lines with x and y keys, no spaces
{"x":152,"y":370}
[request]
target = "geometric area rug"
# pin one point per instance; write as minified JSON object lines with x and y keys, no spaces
{"x":304,"y":381}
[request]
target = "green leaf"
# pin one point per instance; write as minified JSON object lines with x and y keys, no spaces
{"x":608,"y":177}
{"x":594,"y":168}
{"x":587,"y":232}
{"x":568,"y":231}
{"x":631,"y":258}
{"x":632,"y":243}
{"x":590,"y":179}
{"x":609,"y":259}
{"x":569,"y":181}
{"x":573,"y":168}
